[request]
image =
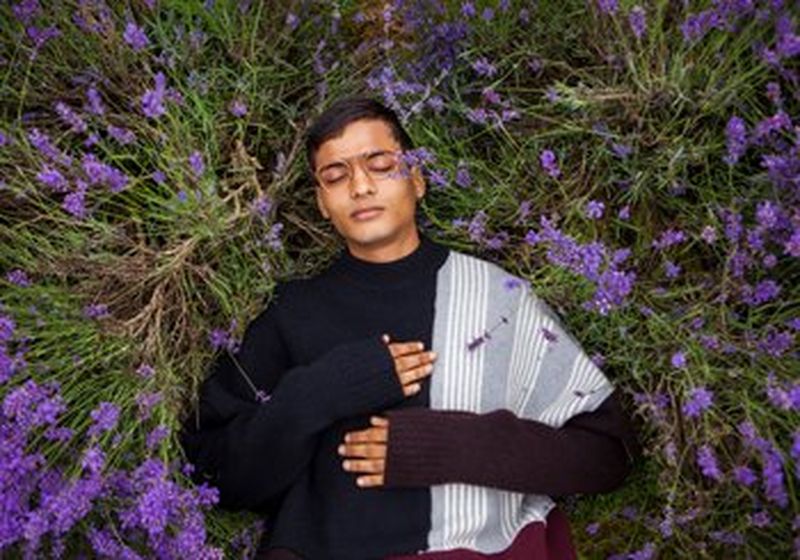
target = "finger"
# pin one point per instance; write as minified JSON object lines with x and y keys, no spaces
{"x":410,"y":361}
{"x":415,"y":374}
{"x":370,"y":481}
{"x":412,"y":389}
{"x":368,"y":435}
{"x":367,"y":466}
{"x":386,"y":338}
{"x":363,"y":451}
{"x":378,"y":421}
{"x":402,"y":348}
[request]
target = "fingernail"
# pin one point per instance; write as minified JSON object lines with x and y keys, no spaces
{"x":341,"y":450}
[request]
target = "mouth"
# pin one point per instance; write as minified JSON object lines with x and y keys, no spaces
{"x":366,"y":213}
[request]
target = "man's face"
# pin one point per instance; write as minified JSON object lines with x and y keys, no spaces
{"x":396,"y":195}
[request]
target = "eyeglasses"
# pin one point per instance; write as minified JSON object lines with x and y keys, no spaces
{"x":378,"y":164}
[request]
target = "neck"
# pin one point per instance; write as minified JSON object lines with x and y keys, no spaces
{"x":391,"y":251}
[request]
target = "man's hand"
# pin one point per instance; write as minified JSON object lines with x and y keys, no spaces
{"x":364,"y":452}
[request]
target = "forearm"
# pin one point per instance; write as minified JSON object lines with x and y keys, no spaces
{"x":591,"y":453}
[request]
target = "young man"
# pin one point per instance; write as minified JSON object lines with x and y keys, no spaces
{"x":338,"y":423}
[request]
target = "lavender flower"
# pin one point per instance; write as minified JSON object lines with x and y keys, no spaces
{"x":484,"y":68}
{"x":237,"y":108}
{"x":196,"y":164}
{"x":744,"y":475}
{"x":135,"y":36}
{"x":669,"y":238}
{"x":18,"y":277}
{"x":636,"y":19}
{"x":736,"y":140}
{"x":608,"y":7}
{"x":153,"y":99}
{"x":121,"y":135}
{"x":678,"y":360}
{"x":463,"y":178}
{"x":105,"y":417}
{"x":75,"y":203}
{"x":53,"y":179}
{"x":94,"y":103}
{"x":96,"y":311}
{"x":707,"y":462}
{"x":700,"y":400}
{"x":75,"y":121}
{"x":548,"y":160}
{"x":594,"y":209}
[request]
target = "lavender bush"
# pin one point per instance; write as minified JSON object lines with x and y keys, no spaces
{"x":638,"y":163}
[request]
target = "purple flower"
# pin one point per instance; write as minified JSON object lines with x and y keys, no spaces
{"x":75,"y":203}
{"x":736,"y":140}
{"x":237,"y":108}
{"x":121,"y":135}
{"x":468,"y":10}
{"x":622,"y":151}
{"x":53,"y":179}
{"x":463,"y":178}
{"x":484,"y":68}
{"x":744,"y":475}
{"x":26,"y":11}
{"x":636,"y":19}
{"x":93,"y":459}
{"x":672,"y":270}
{"x":594,"y":209}
{"x":18,"y":277}
{"x":608,"y":7}
{"x":709,"y":234}
{"x":156,"y":436}
{"x":135,"y":36}
{"x":707,"y":462}
{"x":96,"y":311}
{"x":795,"y":452}
{"x":668,"y":238}
{"x":624,"y":212}
{"x":272,"y":238}
{"x":94,"y":103}
{"x":153,"y":99}
{"x":145,"y":403}
{"x":105,"y":417}
{"x":548,"y":161}
{"x":292,"y":21}
{"x":678,"y":359}
{"x":700,"y":399}
{"x":549,"y":335}
{"x":196,"y":164}
{"x":75,"y":121}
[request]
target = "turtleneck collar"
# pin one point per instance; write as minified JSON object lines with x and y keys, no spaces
{"x":423,"y":261}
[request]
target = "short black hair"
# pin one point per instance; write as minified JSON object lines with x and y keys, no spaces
{"x":345,"y":110}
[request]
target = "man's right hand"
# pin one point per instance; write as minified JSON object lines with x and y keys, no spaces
{"x":412,"y":363}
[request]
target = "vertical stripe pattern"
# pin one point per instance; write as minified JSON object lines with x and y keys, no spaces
{"x":515,"y":368}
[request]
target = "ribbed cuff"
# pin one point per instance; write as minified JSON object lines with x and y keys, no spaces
{"x":422,"y":448}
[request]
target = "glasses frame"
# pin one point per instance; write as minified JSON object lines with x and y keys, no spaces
{"x":362,"y":161}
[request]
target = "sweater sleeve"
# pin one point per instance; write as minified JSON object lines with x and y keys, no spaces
{"x":591,"y":453}
{"x":252,"y":449}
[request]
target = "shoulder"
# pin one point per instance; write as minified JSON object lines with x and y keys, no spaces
{"x":498,"y":279}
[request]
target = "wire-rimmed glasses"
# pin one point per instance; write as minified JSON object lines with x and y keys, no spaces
{"x":378,"y":164}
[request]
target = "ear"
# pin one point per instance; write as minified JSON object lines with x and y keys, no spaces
{"x":418,"y":181}
{"x":321,"y":203}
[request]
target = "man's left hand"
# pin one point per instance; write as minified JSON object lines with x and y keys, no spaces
{"x":364,"y":452}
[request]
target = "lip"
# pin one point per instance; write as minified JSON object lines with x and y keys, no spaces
{"x":366,"y":213}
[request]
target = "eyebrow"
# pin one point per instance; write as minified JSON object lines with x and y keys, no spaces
{"x":369,"y":153}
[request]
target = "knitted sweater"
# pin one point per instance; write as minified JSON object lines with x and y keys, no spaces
{"x":315,"y":352}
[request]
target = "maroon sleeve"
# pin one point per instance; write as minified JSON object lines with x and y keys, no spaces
{"x":591,"y":453}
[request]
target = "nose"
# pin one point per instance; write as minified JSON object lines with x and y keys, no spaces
{"x":361,"y":183}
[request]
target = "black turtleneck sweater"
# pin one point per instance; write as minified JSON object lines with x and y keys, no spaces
{"x":316,"y":351}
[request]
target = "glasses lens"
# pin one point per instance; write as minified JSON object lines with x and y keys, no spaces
{"x":334,"y":175}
